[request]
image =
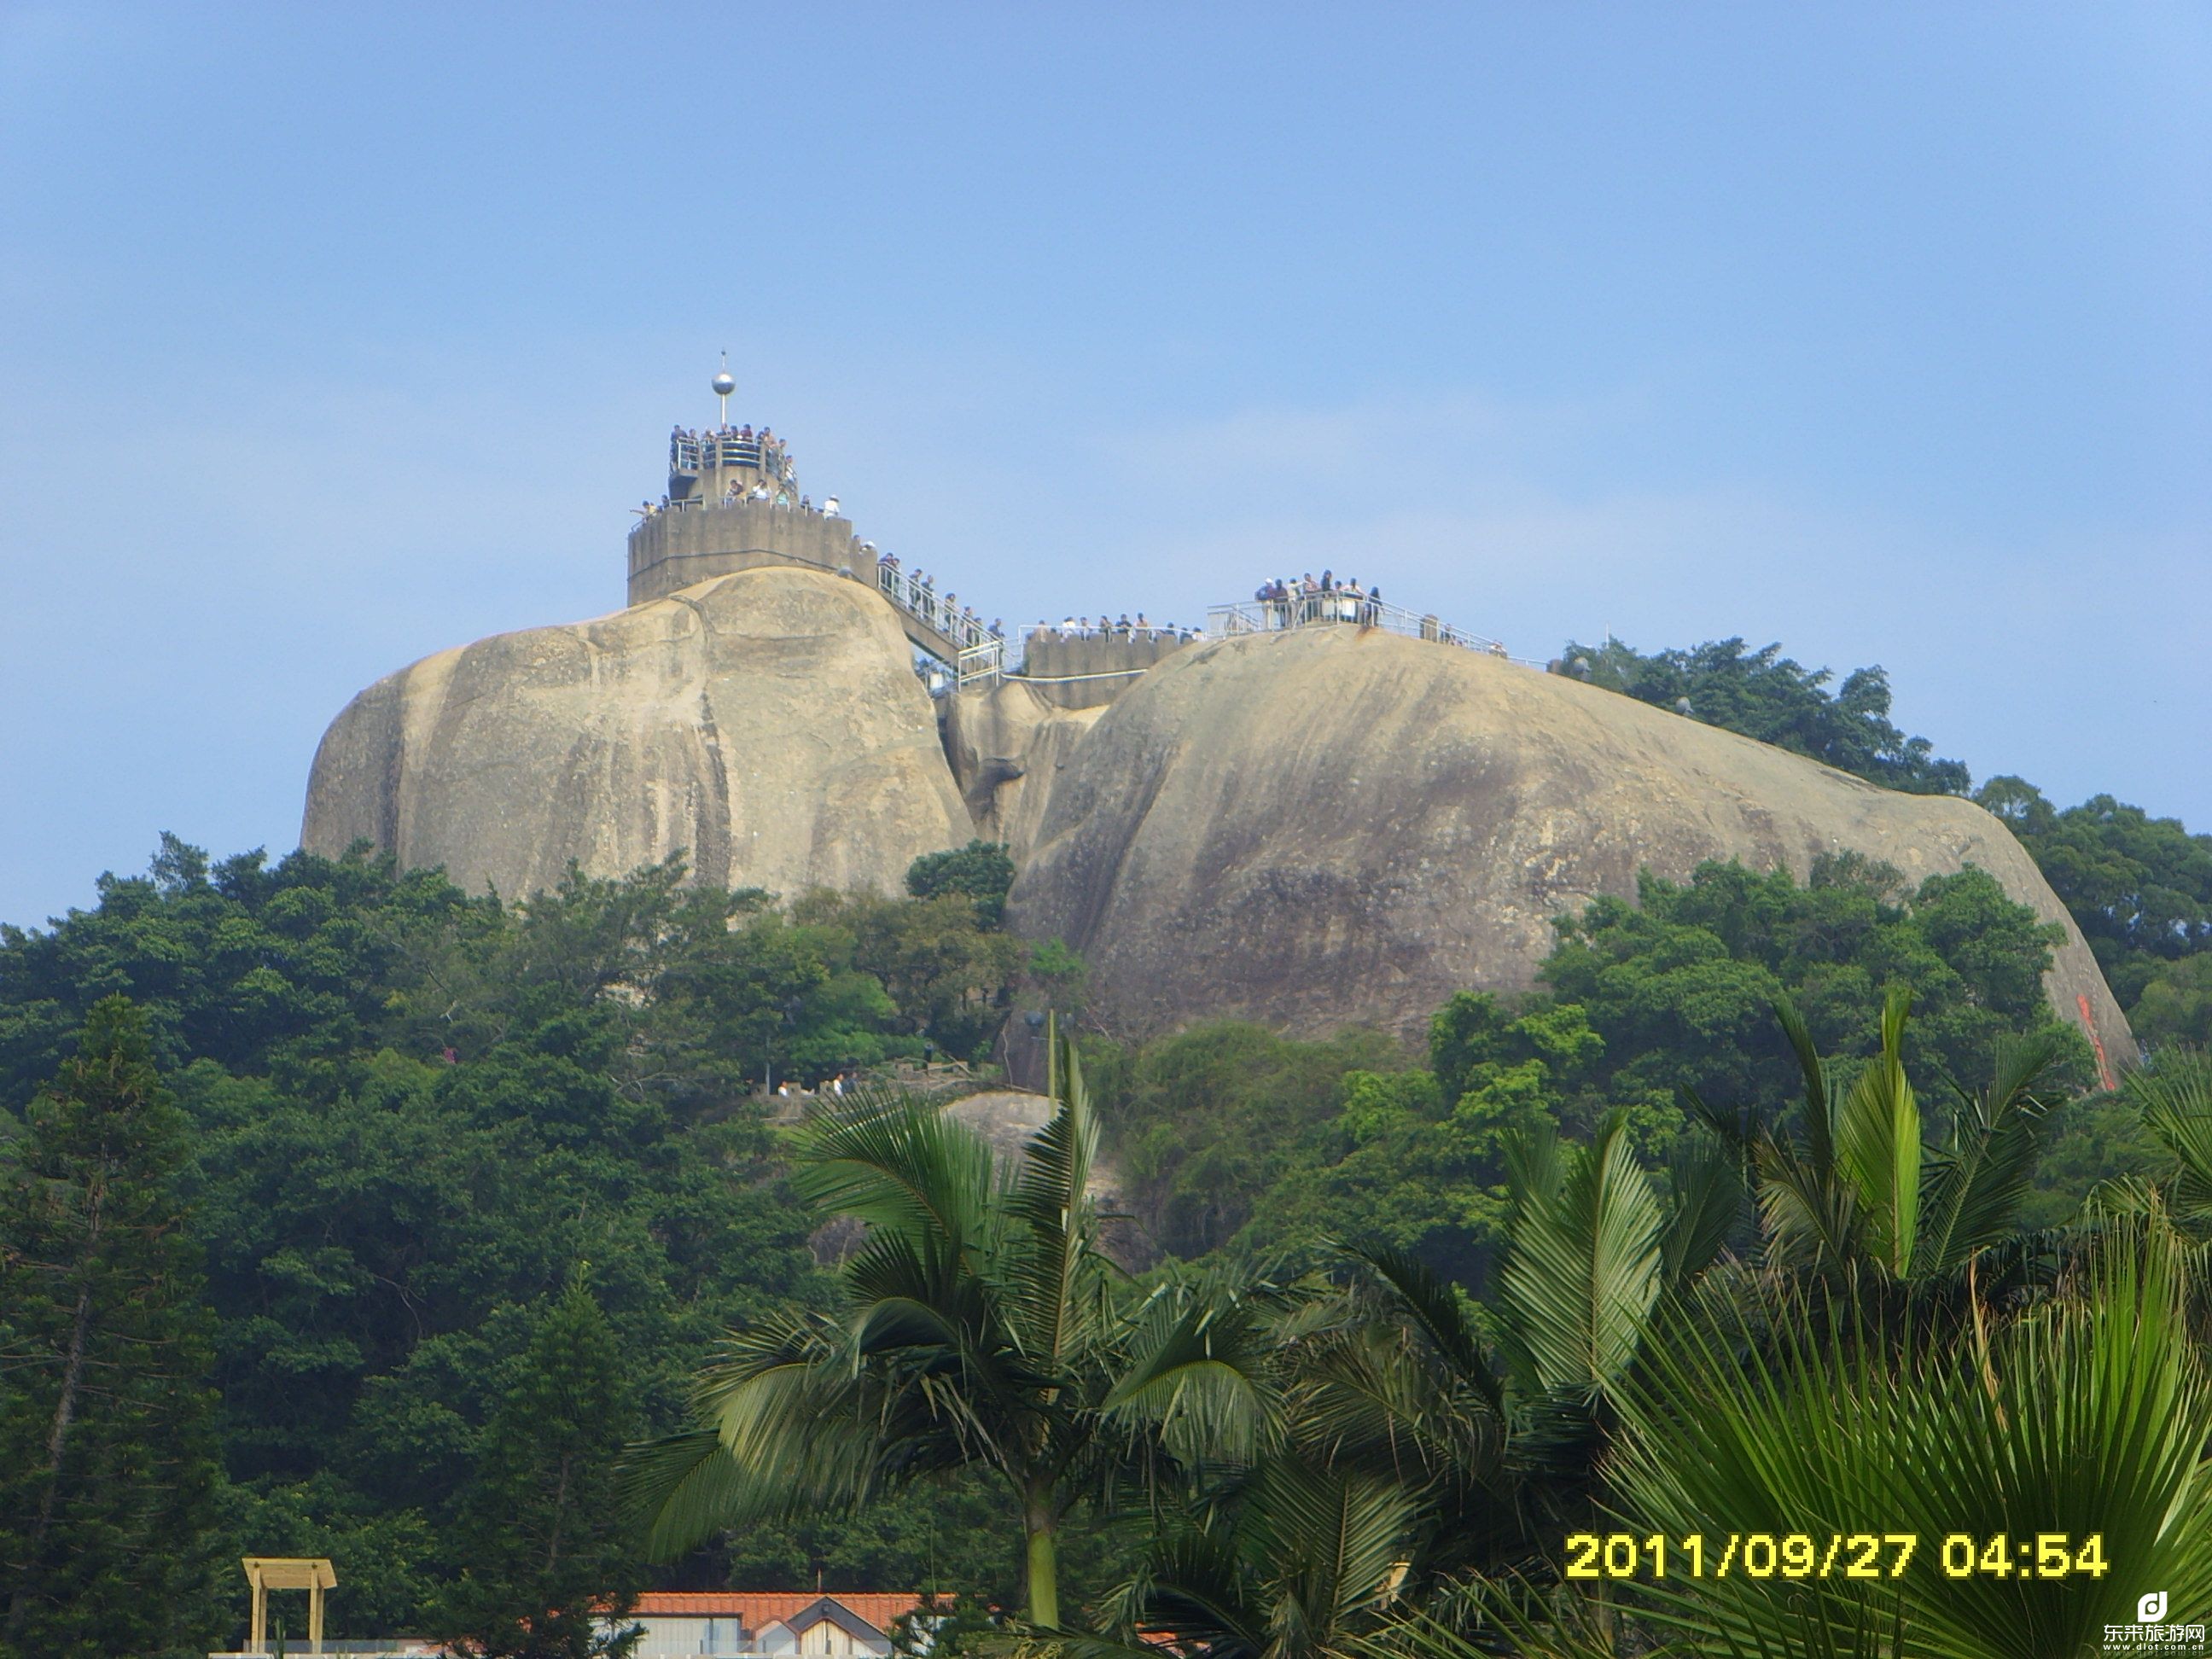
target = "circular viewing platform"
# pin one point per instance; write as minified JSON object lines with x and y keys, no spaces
{"x":675,"y":546}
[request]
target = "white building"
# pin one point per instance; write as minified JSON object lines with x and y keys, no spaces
{"x":757,"y":1624}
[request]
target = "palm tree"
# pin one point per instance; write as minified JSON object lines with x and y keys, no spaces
{"x":1860,"y":1190}
{"x":1395,"y":1382}
{"x":1295,"y":1561}
{"x":2046,"y":1479}
{"x":2175,"y":1097}
{"x":980,"y":1326}
{"x":2084,"y":1418}
{"x":1394,"y":1413}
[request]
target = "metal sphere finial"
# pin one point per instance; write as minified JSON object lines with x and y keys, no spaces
{"x":724,"y":385}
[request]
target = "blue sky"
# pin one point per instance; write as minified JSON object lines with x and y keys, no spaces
{"x":338,"y":335}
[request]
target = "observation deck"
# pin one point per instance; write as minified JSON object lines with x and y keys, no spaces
{"x":1336,"y":608}
{"x":734,"y":503}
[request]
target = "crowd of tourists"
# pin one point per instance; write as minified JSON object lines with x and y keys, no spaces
{"x":691,"y":449}
{"x":770,"y":444}
{"x":733,"y":494}
{"x":1314,"y":600}
{"x":1114,"y":627}
{"x":916,"y":593}
{"x":1284,"y":605}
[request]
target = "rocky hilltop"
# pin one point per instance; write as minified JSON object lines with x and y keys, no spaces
{"x":1329,"y":827}
{"x":768,"y":722}
{"x":1339,"y":826}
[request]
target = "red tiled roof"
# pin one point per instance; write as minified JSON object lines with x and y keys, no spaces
{"x":881,"y":1608}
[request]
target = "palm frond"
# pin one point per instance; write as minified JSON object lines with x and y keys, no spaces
{"x":1193,"y":1586}
{"x":794,"y":1411}
{"x":1808,"y":1425}
{"x":1203,"y":1375}
{"x":1878,"y":1145}
{"x":2175,"y":1098}
{"x":1583,"y":1270}
{"x":1707,"y":1194}
{"x":682,"y":1489}
{"x":1820,"y":1106}
{"x":1535,"y":1167}
{"x":1331,"y":1546}
{"x":1809,"y":1220}
{"x":1437,"y":1313}
{"x":898,"y":1162}
{"x":1052,"y":1202}
{"x":1976,"y":1182}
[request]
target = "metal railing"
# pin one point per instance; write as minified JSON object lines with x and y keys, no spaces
{"x":1341,"y":607}
{"x":982,"y":664}
{"x":688,"y":456}
{"x":644,"y":516}
{"x":969,"y":637}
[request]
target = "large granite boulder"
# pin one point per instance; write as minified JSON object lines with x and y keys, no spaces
{"x":1009,"y":745}
{"x":1336,"y":827}
{"x":1009,"y":1119}
{"x":768,"y":722}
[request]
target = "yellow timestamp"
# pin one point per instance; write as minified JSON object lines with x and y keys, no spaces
{"x":1835,"y":1555}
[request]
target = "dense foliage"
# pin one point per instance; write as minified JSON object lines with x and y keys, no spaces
{"x":2139,"y":888}
{"x":1765,"y":694}
{"x":404,"y":1114}
{"x":1831,"y":1305}
{"x":1229,"y":1133}
{"x":546,"y":1563}
{"x":983,"y":870}
{"x":107,"y":1451}
{"x":372,"y":1126}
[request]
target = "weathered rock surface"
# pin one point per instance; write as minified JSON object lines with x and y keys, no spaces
{"x":1008,"y":745}
{"x":1338,"y":827}
{"x":1009,"y":1120}
{"x":767,"y":721}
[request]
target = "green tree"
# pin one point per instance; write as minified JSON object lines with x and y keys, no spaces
{"x":1059,"y":978}
{"x":948,"y":971}
{"x":107,"y":1451}
{"x":1681,"y":984}
{"x":983,"y":870}
{"x":1206,"y":1122}
{"x":978,"y":1329}
{"x":2139,"y":888}
{"x":1402,"y":1169}
{"x":1861,"y":1187}
{"x":2082,"y":1419}
{"x":1764,"y":694}
{"x":2174,"y":1007}
{"x":548,"y":1568}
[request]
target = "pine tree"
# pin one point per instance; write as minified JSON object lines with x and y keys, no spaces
{"x":547,"y":1561}
{"x":108,"y":1460}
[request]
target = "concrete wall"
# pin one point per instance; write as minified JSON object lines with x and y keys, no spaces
{"x":674,"y":550}
{"x":1050,"y":657}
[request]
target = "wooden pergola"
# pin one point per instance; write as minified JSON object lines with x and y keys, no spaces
{"x":312,"y":1573}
